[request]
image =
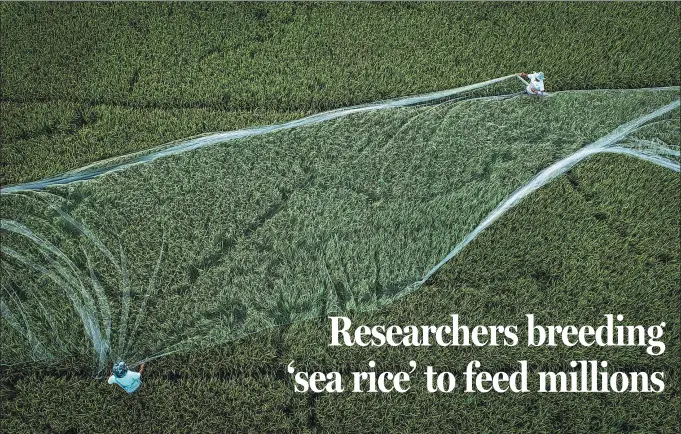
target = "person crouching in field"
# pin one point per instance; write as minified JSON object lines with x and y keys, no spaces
{"x":535,"y":86}
{"x":129,"y":380}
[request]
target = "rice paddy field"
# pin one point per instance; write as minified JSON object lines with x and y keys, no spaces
{"x":217,"y":266}
{"x":84,"y":82}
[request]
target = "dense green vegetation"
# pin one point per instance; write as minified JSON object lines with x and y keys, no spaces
{"x":49,"y":138}
{"x":80,"y":82}
{"x":603,"y":238}
{"x":368,"y":203}
{"x":80,"y":76}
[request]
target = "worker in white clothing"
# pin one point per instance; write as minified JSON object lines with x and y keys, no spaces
{"x":535,"y":83}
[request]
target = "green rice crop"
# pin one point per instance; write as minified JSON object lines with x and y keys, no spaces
{"x":86,"y":81}
{"x":226,"y":240}
{"x":532,"y":260}
{"x":80,"y":82}
{"x":43,"y":139}
{"x":318,"y":56}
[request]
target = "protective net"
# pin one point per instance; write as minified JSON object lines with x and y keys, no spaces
{"x":189,"y":245}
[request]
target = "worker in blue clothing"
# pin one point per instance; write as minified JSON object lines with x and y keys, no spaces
{"x":129,"y":380}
